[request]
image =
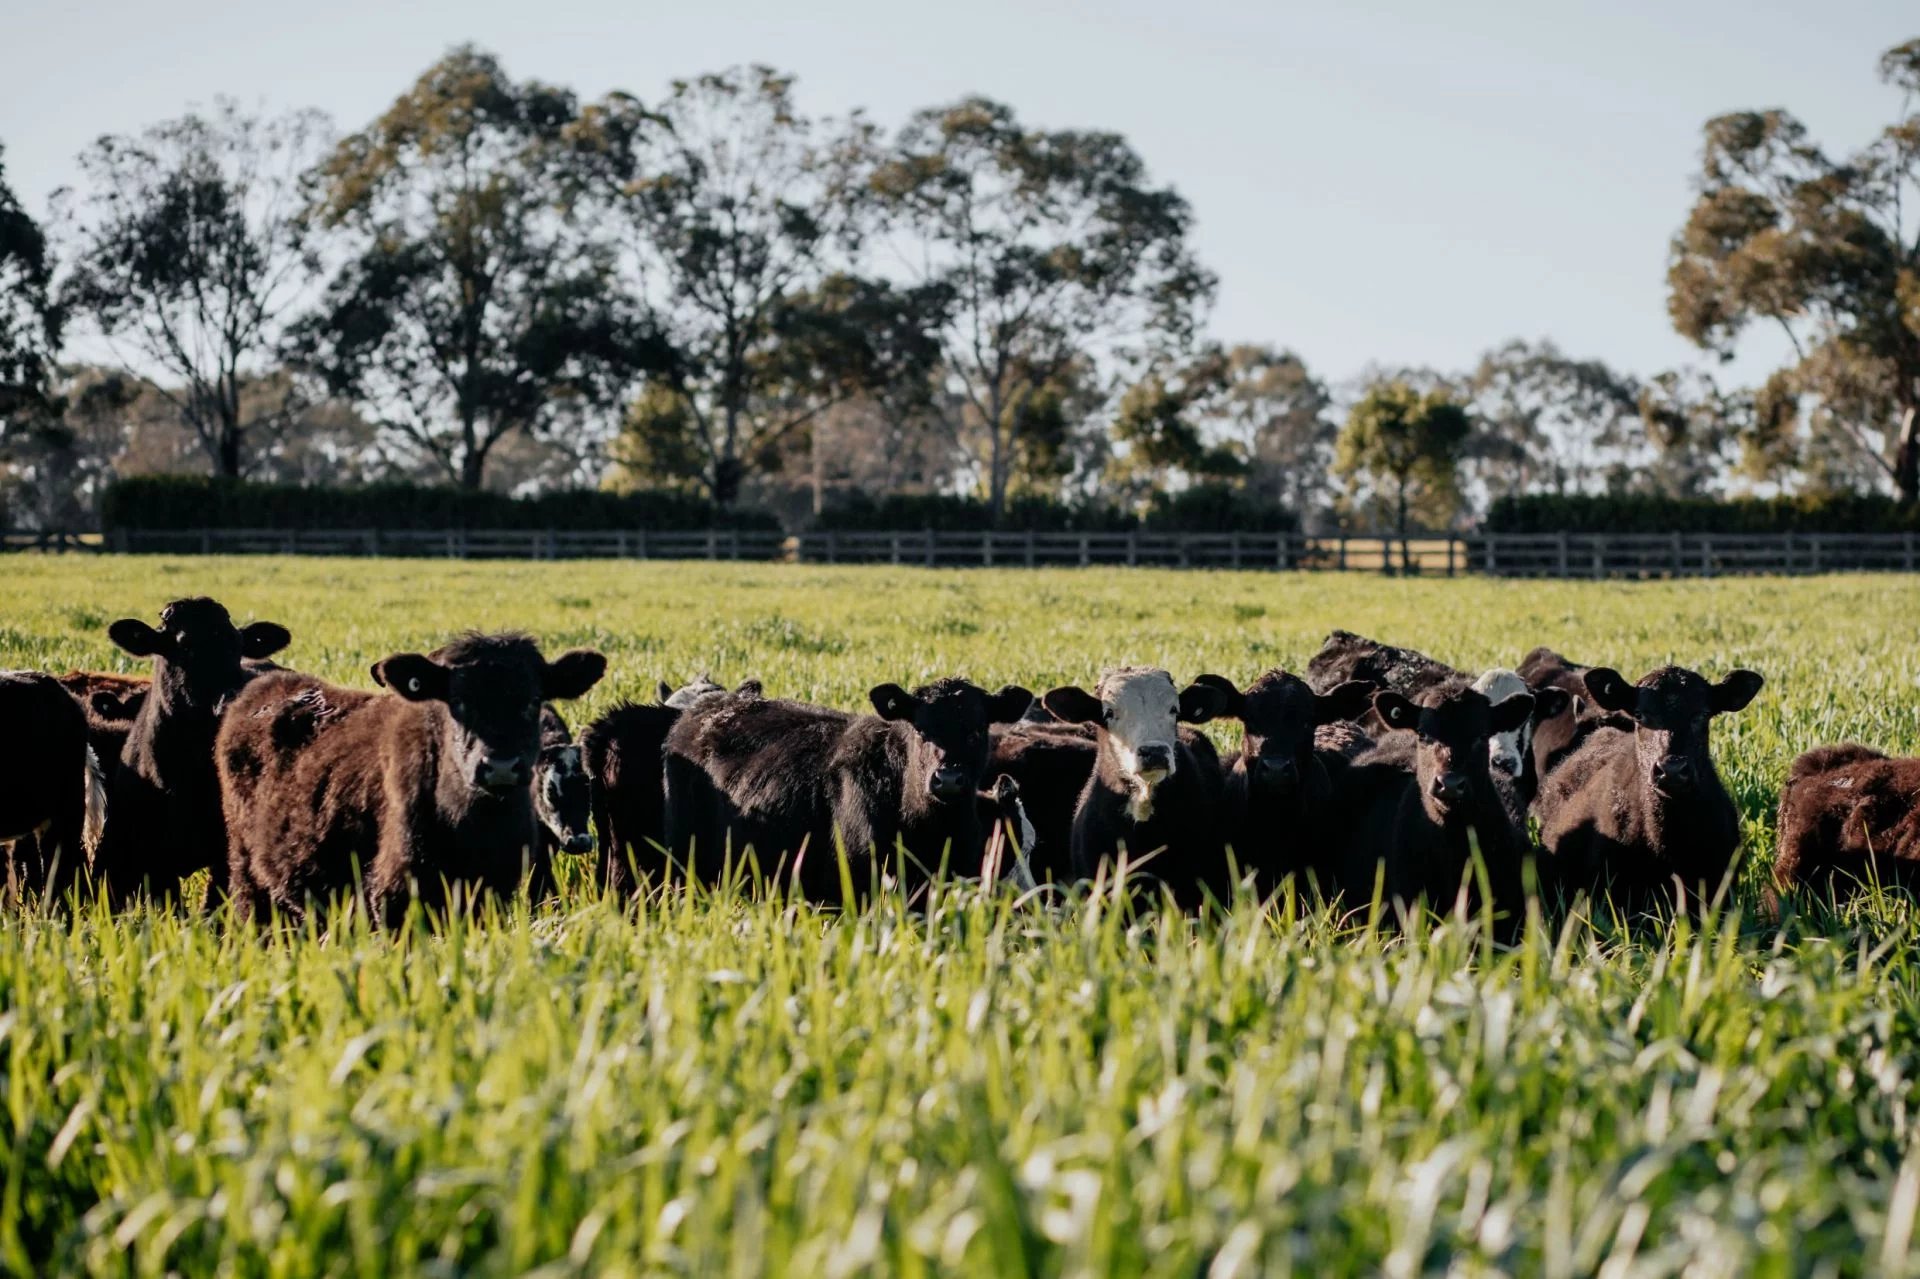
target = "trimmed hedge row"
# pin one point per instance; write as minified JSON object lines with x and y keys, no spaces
{"x":194,"y":501}
{"x":1202,"y":509}
{"x":1837,"y":513}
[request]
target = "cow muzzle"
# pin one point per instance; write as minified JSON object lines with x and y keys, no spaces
{"x":948,"y":784}
{"x":1276,"y":772}
{"x":1449,"y":788}
{"x":1674,"y":775}
{"x":496,"y":773}
{"x":1154,"y":761}
{"x":581,"y":842}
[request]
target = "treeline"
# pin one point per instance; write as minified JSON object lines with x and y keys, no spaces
{"x":717,"y":301}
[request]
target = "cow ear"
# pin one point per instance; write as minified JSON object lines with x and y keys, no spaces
{"x":666,"y":691}
{"x":1074,"y":705}
{"x":1610,"y":690}
{"x":1549,"y":703}
{"x":1395,"y":710}
{"x":1735,"y":691}
{"x":139,"y":639}
{"x":1233,"y":702}
{"x":264,"y":639}
{"x":748,"y":688}
{"x":891,"y":702}
{"x":112,"y":707}
{"x":1512,"y":713}
{"x":1201,"y":701}
{"x":1348,"y":701}
{"x":571,"y":674}
{"x":1008,"y":705}
{"x":416,"y":678}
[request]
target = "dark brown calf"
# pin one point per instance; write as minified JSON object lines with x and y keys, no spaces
{"x":164,"y":818}
{"x":416,"y":790}
{"x":1640,"y":815}
{"x":787,"y":779}
{"x":1414,"y":807}
{"x":1278,"y":790}
{"x":1849,"y":818}
{"x":1050,"y":762}
{"x":52,"y":796}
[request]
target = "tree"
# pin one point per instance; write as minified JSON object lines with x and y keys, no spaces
{"x":191,"y":252}
{"x":1696,"y":429}
{"x":30,"y":319}
{"x":1829,"y":251}
{"x":736,"y":202}
{"x":1279,"y":415}
{"x":476,"y":304}
{"x":1051,"y":246}
{"x":1406,"y":445}
{"x":1547,"y":420}
{"x":1161,"y":421}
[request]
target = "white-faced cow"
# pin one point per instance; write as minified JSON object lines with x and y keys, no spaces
{"x":1641,"y":816}
{"x":164,"y":818}
{"x":414,"y":791}
{"x":792,"y":782}
{"x":1156,"y":793}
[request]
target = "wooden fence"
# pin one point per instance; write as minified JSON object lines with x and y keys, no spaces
{"x":1560,"y":555}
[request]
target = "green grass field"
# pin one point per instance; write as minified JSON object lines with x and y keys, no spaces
{"x":716,"y":1086}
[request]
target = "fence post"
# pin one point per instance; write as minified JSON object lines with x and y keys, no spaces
{"x":833,"y":547}
{"x":733,"y":543}
{"x":1343,"y":552}
{"x":893,"y":548}
{"x":1706,"y":555}
{"x":1029,"y":548}
{"x":640,"y":537}
{"x":1236,"y":550}
{"x":1907,"y":546}
{"x":1086,"y":550}
{"x":1679,"y":555}
{"x":1599,"y":558}
{"x":206,"y":541}
{"x":930,"y":546}
{"x":1133,"y":547}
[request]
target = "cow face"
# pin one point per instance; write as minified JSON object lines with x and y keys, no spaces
{"x":686,"y":695}
{"x":1279,"y":713}
{"x":1138,"y":714}
{"x":491,"y":687}
{"x":1452,"y":732}
{"x":948,"y":719}
{"x":1671,"y":709}
{"x":562,"y":798}
{"x":1508,"y":752}
{"x":197,"y":651}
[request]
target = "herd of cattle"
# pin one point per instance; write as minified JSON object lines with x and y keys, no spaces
{"x":1377,"y":771}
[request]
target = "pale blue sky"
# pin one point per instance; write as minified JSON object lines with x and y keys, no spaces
{"x":1388,"y":181}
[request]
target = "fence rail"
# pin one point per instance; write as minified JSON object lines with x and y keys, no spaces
{"x":1560,"y":555}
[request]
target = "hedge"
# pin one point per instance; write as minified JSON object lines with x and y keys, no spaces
{"x":193,"y":502}
{"x":1837,"y":513}
{"x":1203,"y":509}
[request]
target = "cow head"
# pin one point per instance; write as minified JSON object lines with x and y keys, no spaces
{"x":1279,"y":712}
{"x":1509,"y":752}
{"x":1671,"y":709}
{"x":1137,"y":712}
{"x":947,"y":732}
{"x":1452,"y":729}
{"x":197,"y":651}
{"x":491,"y":687}
{"x":562,"y":797}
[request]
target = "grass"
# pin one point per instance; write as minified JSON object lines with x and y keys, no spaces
{"x":717,"y":1086}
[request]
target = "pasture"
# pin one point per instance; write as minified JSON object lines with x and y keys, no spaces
{"x":709,"y":1085}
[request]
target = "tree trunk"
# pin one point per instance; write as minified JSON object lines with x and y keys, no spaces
{"x":728,"y":475}
{"x":473,"y":469}
{"x":996,"y":460}
{"x":227,"y":463}
{"x":1906,"y":458}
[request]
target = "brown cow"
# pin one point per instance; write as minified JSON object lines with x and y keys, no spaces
{"x":430,"y":783}
{"x":1849,"y":818}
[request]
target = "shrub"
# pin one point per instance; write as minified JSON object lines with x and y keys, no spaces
{"x":1832,"y":513}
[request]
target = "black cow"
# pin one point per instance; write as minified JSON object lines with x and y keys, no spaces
{"x":52,"y":794}
{"x":1641,"y":814}
{"x":1414,"y":807}
{"x":164,"y":818}
{"x":1278,"y":788}
{"x":416,"y":790}
{"x":785,"y":779}
{"x":1050,"y":762}
{"x":1156,"y":794}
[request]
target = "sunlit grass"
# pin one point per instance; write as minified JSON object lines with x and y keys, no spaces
{"x":704,"y":1084}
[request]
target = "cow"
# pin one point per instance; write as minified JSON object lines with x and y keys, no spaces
{"x":1156,"y":791}
{"x":624,"y":755}
{"x":1347,"y":656}
{"x":787,"y":780}
{"x":164,"y":816}
{"x":1415,"y":807}
{"x":1641,"y":814}
{"x":1050,"y":762}
{"x":1560,"y":734}
{"x":111,"y":703}
{"x":52,"y":793}
{"x":1279,"y":787}
{"x":430,"y":782}
{"x":1849,"y":819}
{"x":562,"y":801}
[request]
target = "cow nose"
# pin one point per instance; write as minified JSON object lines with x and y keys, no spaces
{"x":1156,"y":758}
{"x":1674,"y":773}
{"x":1277,"y":771}
{"x":948,"y":782}
{"x":1449,"y":788}
{"x":501,"y":772}
{"x":579,"y":843}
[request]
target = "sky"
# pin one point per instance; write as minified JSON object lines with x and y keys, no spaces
{"x":1392,"y":182}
